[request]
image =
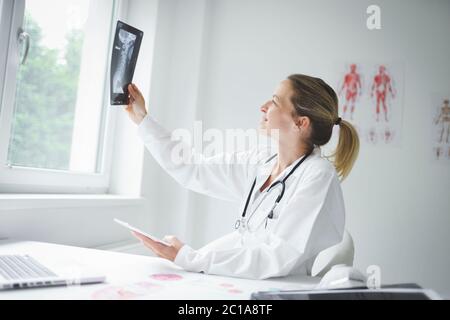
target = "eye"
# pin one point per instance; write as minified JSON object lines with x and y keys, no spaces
{"x":274,"y":102}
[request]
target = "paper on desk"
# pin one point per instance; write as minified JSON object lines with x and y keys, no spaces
{"x":192,"y":285}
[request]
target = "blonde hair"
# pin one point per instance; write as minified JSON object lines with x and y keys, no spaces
{"x":315,"y":99}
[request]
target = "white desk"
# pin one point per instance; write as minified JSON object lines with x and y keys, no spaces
{"x":139,"y":277}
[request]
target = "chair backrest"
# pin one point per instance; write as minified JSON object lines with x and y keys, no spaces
{"x":342,"y":253}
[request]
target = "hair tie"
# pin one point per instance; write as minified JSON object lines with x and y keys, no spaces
{"x":338,"y":121}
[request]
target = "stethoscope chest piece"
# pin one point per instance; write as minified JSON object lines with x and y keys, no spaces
{"x":241,"y":225}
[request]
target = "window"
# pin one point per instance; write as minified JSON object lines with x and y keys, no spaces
{"x":55,"y":122}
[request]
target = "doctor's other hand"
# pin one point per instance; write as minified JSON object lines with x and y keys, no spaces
{"x":136,"y":108}
{"x":160,"y":249}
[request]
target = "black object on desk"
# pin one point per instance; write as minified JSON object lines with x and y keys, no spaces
{"x":409,"y":291}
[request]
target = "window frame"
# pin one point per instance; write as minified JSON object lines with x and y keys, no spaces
{"x":15,"y":179}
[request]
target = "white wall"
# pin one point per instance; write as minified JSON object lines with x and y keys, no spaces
{"x":218,"y":60}
{"x":173,"y":100}
{"x":85,"y":226}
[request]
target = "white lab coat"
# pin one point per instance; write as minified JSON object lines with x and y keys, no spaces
{"x":309,"y":218}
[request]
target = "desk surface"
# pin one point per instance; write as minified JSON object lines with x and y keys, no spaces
{"x":138,"y":277}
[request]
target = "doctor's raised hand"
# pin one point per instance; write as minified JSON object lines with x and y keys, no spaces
{"x":136,"y":108}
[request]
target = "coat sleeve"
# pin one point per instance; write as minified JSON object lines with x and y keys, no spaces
{"x":223,"y":176}
{"x":312,"y":221}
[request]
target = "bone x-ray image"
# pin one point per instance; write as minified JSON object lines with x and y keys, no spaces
{"x":125,"y":51}
{"x":124,"y":56}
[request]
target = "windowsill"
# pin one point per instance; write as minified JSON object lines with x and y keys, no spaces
{"x":10,"y":202}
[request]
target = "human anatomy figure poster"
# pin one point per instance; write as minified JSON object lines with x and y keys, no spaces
{"x":383,"y":93}
{"x":351,"y":90}
{"x":370,"y":96}
{"x":440,"y":124}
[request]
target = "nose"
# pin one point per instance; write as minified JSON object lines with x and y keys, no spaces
{"x":264,"y":107}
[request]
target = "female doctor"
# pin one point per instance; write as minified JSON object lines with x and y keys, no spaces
{"x":292,"y":205}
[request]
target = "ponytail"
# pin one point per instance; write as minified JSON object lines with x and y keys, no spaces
{"x":317,"y":100}
{"x":347,"y":150}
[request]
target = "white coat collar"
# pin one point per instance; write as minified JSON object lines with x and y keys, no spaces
{"x":265,"y":169}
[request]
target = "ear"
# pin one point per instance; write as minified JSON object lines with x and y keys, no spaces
{"x":301,"y":123}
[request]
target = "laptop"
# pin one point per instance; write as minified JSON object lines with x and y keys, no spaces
{"x":24,"y":271}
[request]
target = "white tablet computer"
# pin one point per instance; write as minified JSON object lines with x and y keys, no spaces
{"x":130,"y":227}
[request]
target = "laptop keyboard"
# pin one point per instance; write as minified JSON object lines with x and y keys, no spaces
{"x":15,"y":267}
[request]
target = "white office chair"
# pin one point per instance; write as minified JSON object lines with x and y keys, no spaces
{"x":340,"y":254}
{"x":335,"y":266}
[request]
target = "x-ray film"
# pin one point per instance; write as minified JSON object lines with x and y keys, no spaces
{"x":127,"y":42}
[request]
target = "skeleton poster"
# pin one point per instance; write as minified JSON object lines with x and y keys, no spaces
{"x":440,"y":127}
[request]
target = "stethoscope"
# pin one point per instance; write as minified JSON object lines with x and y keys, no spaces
{"x":242,"y":224}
